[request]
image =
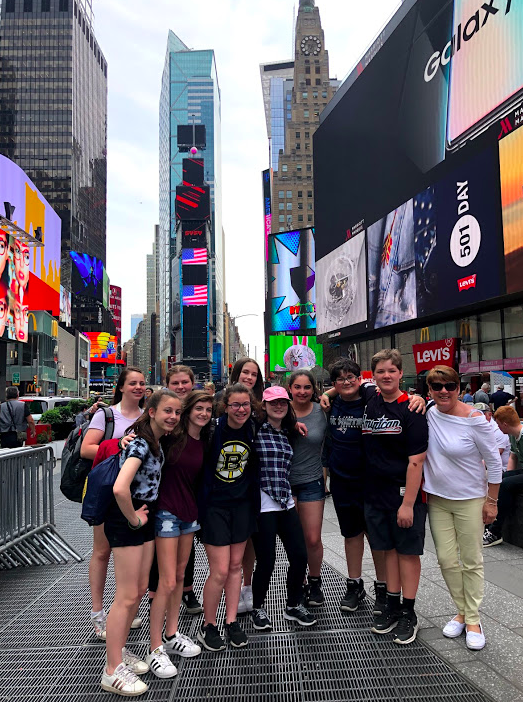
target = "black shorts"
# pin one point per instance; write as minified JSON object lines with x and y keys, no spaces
{"x":223,"y":526}
{"x":118,"y":531}
{"x":385,"y":534}
{"x":347,"y":496}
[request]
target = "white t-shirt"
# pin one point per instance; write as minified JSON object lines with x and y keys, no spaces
{"x":270,"y":505}
{"x":502,"y":442}
{"x":458,"y":446}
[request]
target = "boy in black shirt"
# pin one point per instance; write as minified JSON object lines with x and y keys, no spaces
{"x":395,"y":447}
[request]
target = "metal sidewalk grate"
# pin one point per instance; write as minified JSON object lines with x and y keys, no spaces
{"x":49,"y":652}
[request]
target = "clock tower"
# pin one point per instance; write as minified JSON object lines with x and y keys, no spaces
{"x":293,"y":190}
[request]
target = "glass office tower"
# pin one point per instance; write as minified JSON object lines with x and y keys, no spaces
{"x":190,"y":95}
{"x":53,"y":114}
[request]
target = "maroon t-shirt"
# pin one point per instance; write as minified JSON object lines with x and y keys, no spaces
{"x":177,"y":489}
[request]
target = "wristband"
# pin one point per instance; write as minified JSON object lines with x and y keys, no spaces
{"x":491,"y":499}
{"x":327,"y":396}
{"x":135,"y":528}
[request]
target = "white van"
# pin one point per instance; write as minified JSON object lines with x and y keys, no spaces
{"x":38,"y":405}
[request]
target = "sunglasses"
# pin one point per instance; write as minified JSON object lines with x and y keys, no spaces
{"x":450,"y":387}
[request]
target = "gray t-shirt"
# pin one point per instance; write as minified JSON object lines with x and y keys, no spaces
{"x":20,"y":412}
{"x":481,"y":396}
{"x":306,"y":464}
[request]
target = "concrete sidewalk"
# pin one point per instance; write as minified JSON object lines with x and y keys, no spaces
{"x":498,"y":668}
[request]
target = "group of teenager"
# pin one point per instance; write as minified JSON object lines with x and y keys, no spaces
{"x":246,"y":466}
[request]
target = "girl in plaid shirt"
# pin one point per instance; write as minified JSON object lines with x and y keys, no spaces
{"x":278,"y":515}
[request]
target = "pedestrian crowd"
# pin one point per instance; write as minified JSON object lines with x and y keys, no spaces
{"x":238,"y":468}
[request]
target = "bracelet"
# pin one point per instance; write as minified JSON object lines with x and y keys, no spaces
{"x":134,"y":528}
{"x":327,"y":396}
{"x":491,"y":499}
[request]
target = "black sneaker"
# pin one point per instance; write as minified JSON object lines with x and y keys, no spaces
{"x":299,"y":614}
{"x":260,"y":620}
{"x":380,"y":591}
{"x":354,"y":595}
{"x":236,"y":634}
{"x":191,"y":603}
{"x":407,"y":627}
{"x":386,"y":621}
{"x":315,"y":597}
{"x":490,"y":539}
{"x":210,"y":638}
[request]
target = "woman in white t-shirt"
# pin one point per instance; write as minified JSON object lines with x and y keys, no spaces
{"x":462,"y":497}
{"x":126,"y":409}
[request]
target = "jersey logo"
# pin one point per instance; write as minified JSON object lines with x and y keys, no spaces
{"x":232,"y":461}
{"x":342,"y":424}
{"x":382,"y":425}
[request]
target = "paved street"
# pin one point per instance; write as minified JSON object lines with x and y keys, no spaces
{"x":49,"y":652}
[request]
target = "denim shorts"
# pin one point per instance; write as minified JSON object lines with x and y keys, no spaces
{"x":167,"y":525}
{"x":309,"y":492}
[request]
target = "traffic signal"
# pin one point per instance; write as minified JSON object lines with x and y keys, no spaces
{"x":35,"y":380}
{"x":230,"y":369}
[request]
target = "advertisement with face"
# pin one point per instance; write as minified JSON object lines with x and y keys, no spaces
{"x":292,"y":353}
{"x":291,"y":302}
{"x":341,"y":293}
{"x":103,"y":345}
{"x":36,"y":268}
{"x":511,"y":170}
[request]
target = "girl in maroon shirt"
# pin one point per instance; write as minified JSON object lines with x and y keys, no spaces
{"x":176,"y":522}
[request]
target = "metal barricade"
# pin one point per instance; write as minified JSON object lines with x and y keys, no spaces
{"x":27,"y":525}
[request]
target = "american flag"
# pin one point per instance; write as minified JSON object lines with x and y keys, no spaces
{"x":194,"y":295}
{"x":194,"y":257}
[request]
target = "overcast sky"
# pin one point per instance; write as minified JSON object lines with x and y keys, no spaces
{"x":243,"y":34}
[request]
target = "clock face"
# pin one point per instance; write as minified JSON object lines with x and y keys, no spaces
{"x":310,"y":45}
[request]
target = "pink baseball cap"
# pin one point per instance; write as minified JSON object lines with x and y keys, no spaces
{"x":275,"y":393}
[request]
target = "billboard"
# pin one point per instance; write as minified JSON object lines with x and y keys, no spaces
{"x":115,"y":305}
{"x":442,"y":225}
{"x":192,"y":171}
{"x":291,"y":353}
{"x":267,"y":208}
{"x":105,"y":290}
{"x":87,"y":276}
{"x":194,"y":233}
{"x":195,"y":332}
{"x":511,"y":170}
{"x":194,"y":257}
{"x":65,"y":306}
{"x":291,"y":301}
{"x":103,"y":346}
{"x":341,"y":290}
{"x":193,"y":202}
{"x":194,"y":295}
{"x":33,"y":214}
{"x":15,"y":259}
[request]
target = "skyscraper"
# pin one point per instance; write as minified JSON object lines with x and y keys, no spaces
{"x":297,"y":109}
{"x":190,"y":95}
{"x":53,"y":114}
{"x":277,"y":79}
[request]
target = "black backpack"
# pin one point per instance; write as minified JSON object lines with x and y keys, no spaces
{"x":75,"y":468}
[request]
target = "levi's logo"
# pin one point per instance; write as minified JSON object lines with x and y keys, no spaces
{"x":466,"y":283}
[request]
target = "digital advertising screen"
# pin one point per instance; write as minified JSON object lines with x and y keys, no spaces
{"x":33,"y":214}
{"x":87,"y":276}
{"x":15,"y":287}
{"x":431,"y":128}
{"x":292,"y":353}
{"x":192,"y":171}
{"x":195,"y":332}
{"x":106,"y":290}
{"x":115,"y":304}
{"x":193,"y":202}
{"x":103,"y":346}
{"x":291,"y":301}
{"x":65,"y":306}
{"x":194,"y":234}
{"x":267,"y":208}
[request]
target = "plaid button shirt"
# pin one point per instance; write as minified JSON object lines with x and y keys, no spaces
{"x":275,"y":455}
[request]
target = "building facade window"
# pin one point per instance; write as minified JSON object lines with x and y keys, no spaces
{"x":300,"y":218}
{"x":289,"y":193}
{"x":281,"y":218}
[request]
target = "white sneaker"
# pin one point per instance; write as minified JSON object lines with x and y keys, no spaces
{"x":123,"y":682}
{"x":246,"y":595}
{"x":453,"y":629}
{"x":99,"y":624}
{"x":136,"y":623}
{"x":160,"y":664}
{"x":182,"y":645}
{"x":476,"y":641}
{"x":132,"y":661}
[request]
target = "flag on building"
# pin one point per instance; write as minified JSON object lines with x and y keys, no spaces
{"x":194,"y":295}
{"x":194,"y":257}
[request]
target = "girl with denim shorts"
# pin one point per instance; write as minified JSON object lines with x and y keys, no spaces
{"x":176,"y":523}
{"x":129,"y":528}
